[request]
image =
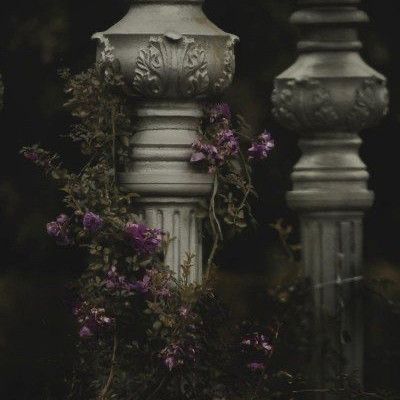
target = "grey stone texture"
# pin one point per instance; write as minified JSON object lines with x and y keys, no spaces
{"x":328,"y":96}
{"x":172,"y":58}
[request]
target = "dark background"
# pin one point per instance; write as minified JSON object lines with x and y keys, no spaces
{"x":37,"y":38}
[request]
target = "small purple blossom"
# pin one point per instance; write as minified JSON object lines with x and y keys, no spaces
{"x":257,"y":349}
{"x":256,"y":366}
{"x":92,"y":222}
{"x":142,"y":286}
{"x":226,"y":146}
{"x":258,"y":342}
{"x":227,"y":143}
{"x":31,"y":155}
{"x":175,"y":355}
{"x":208,"y":153}
{"x":143,"y":239}
{"x":184,"y":311}
{"x":261,"y":147}
{"x":85,"y":332}
{"x":59,"y":229}
{"x":116,"y":282}
{"x":220,"y":112}
{"x":91,"y":319}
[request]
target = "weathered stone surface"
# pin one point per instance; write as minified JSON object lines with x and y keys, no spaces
{"x":328,"y":96}
{"x":172,"y":57}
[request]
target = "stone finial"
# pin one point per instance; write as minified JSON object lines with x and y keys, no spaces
{"x":328,"y":96}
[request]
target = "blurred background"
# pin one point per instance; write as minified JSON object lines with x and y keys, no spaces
{"x":37,"y":38}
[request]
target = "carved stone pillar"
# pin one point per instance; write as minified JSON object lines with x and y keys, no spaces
{"x":172,"y":57}
{"x":328,"y":96}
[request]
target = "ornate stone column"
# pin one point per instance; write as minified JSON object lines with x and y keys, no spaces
{"x":328,"y":96}
{"x":172,"y":58}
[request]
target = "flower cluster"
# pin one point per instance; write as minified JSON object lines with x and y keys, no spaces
{"x":257,"y":348}
{"x":220,"y":112}
{"x":91,"y":319}
{"x":262,"y":147}
{"x":222,"y":146}
{"x":40,"y":157}
{"x":144,"y":240}
{"x":92,"y":222}
{"x":60,"y":229}
{"x":116,"y":282}
{"x":176,"y":355}
{"x":216,"y":148}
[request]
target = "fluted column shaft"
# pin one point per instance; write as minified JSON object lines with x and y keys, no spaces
{"x":328,"y":96}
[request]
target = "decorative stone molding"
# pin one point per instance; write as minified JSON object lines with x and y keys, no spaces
{"x":307,"y":104}
{"x":171,"y":61}
{"x":171,"y":57}
{"x":328,"y":96}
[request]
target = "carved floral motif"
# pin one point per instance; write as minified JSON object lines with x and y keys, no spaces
{"x":371,"y":103}
{"x":171,"y":62}
{"x":229,"y":66}
{"x":308,"y":105}
{"x":304,"y":104}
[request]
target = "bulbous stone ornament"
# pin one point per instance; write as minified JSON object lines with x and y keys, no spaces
{"x":172,"y":58}
{"x":328,"y":96}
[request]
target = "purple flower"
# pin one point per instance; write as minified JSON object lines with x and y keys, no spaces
{"x":175,"y":355}
{"x":143,"y":239}
{"x":116,"y":282}
{"x":205,"y":152}
{"x":92,"y":222}
{"x":85,"y":332}
{"x":31,"y":155}
{"x":261,"y":148}
{"x":184,"y":312}
{"x":257,"y":342}
{"x":59,"y":229}
{"x":143,"y":286}
{"x":227,"y":143}
{"x":256,"y":366}
{"x":91,"y":319}
{"x":220,"y":112}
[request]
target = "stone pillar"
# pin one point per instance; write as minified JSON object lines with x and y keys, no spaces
{"x":172,"y":58}
{"x":328,"y":96}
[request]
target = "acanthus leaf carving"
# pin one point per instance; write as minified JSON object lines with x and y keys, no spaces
{"x":229,"y":66}
{"x":150,"y":69}
{"x":167,"y":66}
{"x":304,"y":104}
{"x":194,"y":77}
{"x":370,"y":105}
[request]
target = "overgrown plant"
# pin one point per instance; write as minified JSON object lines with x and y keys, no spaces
{"x":144,"y":333}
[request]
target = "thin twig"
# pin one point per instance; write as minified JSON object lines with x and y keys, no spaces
{"x":111,"y":374}
{"x":213,"y":220}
